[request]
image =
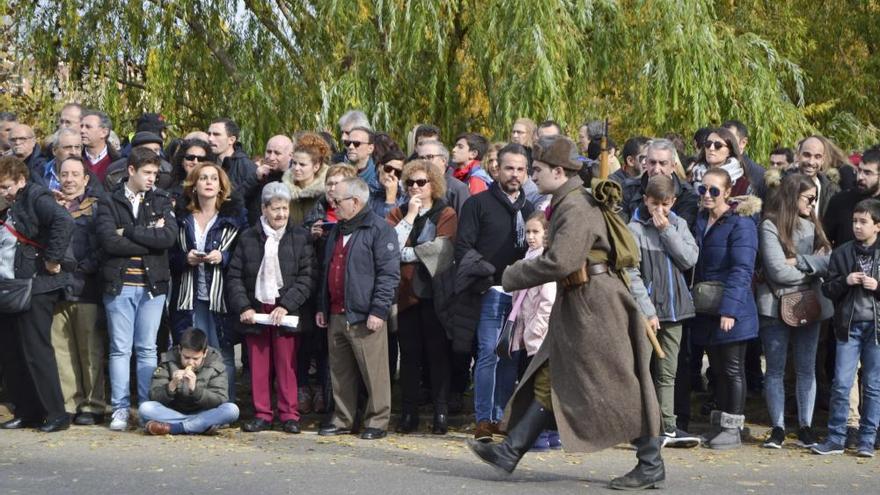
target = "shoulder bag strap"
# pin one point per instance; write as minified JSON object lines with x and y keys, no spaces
{"x":21,"y":237}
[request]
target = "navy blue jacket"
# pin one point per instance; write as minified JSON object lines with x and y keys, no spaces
{"x":727,"y":254}
{"x":372,"y":270}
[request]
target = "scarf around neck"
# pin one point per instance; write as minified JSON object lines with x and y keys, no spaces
{"x":346,"y":227}
{"x":433,"y":214}
{"x":515,"y":208}
{"x":269,"y":278}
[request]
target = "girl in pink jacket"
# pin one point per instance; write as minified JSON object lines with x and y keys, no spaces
{"x":533,"y":318}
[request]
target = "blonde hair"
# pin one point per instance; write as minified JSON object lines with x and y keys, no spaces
{"x":437,"y":180}
{"x":189,"y":186}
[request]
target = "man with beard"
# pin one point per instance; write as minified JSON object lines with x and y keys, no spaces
{"x":491,"y":234}
{"x":838,"y":217}
{"x":813,"y":158}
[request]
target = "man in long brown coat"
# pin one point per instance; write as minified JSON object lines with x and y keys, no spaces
{"x":592,"y":372}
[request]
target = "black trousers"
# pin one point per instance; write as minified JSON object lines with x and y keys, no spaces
{"x":29,"y":361}
{"x":728,"y":362}
{"x":423,"y":341}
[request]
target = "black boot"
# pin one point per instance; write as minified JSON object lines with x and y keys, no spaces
{"x":519,"y":439}
{"x":649,"y":472}
{"x":408,"y":423}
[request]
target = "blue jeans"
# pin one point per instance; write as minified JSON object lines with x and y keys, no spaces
{"x":862,"y":344}
{"x":133,"y":319}
{"x":804,"y":341}
{"x":199,"y":422}
{"x":494,"y":378}
{"x":205,"y":320}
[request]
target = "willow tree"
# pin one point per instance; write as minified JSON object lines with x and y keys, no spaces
{"x":650,"y":66}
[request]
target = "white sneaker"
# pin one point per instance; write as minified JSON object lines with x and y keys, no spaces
{"x":119,"y":421}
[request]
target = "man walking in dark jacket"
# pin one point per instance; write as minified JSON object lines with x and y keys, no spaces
{"x":492,"y":224}
{"x":358,"y":286}
{"x":188,"y":393}
{"x":136,"y":227}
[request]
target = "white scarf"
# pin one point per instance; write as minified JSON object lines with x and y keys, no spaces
{"x":269,"y":278}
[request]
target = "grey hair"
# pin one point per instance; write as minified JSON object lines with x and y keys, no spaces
{"x":354,"y":118}
{"x":104,"y":120}
{"x":64,"y":131}
{"x":356,"y":187}
{"x":663,"y":144}
{"x":440,"y":146}
{"x":273,"y":191}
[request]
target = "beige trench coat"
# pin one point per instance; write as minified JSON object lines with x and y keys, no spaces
{"x":596,"y":345}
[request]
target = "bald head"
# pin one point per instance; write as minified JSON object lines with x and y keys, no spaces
{"x":22,"y":140}
{"x":279,"y":151}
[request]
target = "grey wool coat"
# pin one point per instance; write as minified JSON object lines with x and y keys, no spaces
{"x":596,"y":344}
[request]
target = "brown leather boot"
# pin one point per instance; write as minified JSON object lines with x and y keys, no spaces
{"x":483,"y":433}
{"x":157,"y":428}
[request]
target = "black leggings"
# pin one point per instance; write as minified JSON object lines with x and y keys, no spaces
{"x":728,"y":366}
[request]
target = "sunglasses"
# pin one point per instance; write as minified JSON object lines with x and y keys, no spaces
{"x":713,"y":191}
{"x":714,"y":145}
{"x":391,"y":170}
{"x":195,"y":158}
{"x":416,"y":182}
{"x":356,"y":144}
{"x":811,"y":200}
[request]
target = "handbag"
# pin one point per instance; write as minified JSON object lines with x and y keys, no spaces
{"x":15,"y":295}
{"x":707,"y":297}
{"x":505,"y":339}
{"x":798,"y":306}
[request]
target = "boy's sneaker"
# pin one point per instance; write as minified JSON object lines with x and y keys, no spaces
{"x":680,"y":439}
{"x":806,"y":437}
{"x":119,"y":420}
{"x":542,"y":443}
{"x":865,"y":450}
{"x":827,"y":448}
{"x":776,"y":438}
{"x":852,"y":437}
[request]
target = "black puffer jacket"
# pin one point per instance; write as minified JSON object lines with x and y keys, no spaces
{"x":297,"y":261}
{"x":844,"y":260}
{"x":39,"y":218}
{"x":140,"y":237}
{"x":242,"y":172}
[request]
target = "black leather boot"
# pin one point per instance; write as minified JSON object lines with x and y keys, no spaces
{"x":519,"y":439}
{"x":408,"y":423}
{"x":649,"y":472}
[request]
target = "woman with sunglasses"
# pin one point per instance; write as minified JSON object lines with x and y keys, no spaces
{"x":190,"y":153}
{"x":423,"y":226}
{"x":727,"y":235}
{"x":720,"y":149}
{"x":794,"y":255}
{"x":305,"y":177}
{"x":391,"y":193}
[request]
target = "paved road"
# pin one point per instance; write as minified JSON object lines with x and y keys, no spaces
{"x":93,"y":460}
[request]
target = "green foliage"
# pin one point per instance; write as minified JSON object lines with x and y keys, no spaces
{"x":277,"y":66}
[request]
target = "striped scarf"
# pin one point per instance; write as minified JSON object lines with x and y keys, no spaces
{"x":216,"y":301}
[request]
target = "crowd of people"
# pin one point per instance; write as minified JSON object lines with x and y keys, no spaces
{"x":339,"y":267}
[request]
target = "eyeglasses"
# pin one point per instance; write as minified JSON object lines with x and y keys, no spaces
{"x":195,"y":158}
{"x":811,"y":200}
{"x":339,"y":200}
{"x":416,"y":182}
{"x":713,"y":191}
{"x":391,"y":170}
{"x":714,"y":145}
{"x":428,"y":157}
{"x":356,"y":144}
